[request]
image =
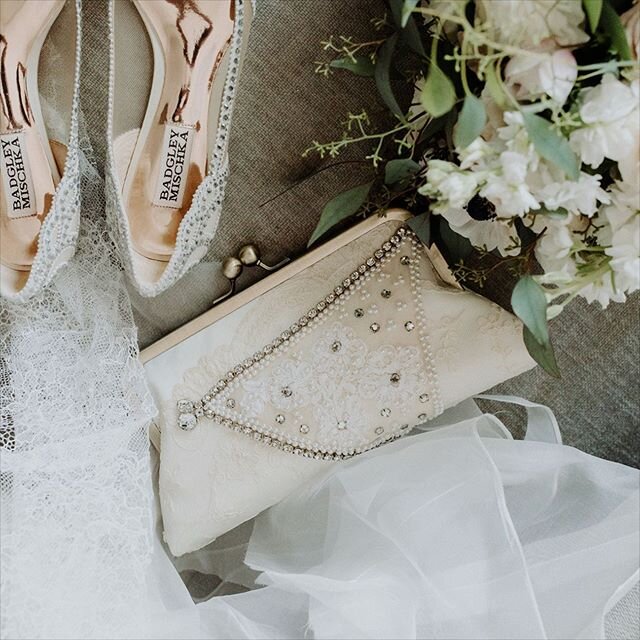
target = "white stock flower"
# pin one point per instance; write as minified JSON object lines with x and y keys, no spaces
{"x":538,"y":73}
{"x":623,"y":216}
{"x":448,"y":184}
{"x":553,"y":249}
{"x":507,"y":189}
{"x":611,"y":118}
{"x":527,"y":23}
{"x":580,"y":196}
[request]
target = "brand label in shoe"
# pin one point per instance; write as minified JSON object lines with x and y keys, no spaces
{"x":16,"y":176}
{"x":174,"y":166}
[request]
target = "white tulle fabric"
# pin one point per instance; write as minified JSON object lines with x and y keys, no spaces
{"x":460,"y":532}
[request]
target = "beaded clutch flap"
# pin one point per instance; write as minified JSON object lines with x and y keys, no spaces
{"x":338,"y":353}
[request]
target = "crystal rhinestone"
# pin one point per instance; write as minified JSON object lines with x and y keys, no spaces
{"x":422,"y":417}
{"x":185,"y":406}
{"x":375,"y":327}
{"x":358,"y":313}
{"x":386,"y":412}
{"x":312,"y":314}
{"x":231,"y":403}
{"x":395,"y":239}
{"x":336,"y":346}
{"x":207,"y":397}
{"x":295,"y":327}
{"x":338,"y":290}
{"x":385,"y":293}
{"x":379,"y":430}
{"x":286,"y":392}
{"x":304,"y":428}
{"x":267,"y":350}
{"x":346,"y":282}
{"x":304,"y":321}
{"x":342,"y":425}
{"x":394,"y":378}
{"x":330,"y":298}
{"x":227,"y":423}
{"x":199,"y":412}
{"x":379,"y":254}
{"x":401,"y":232}
{"x":247,"y":430}
{"x":286,"y":334}
{"x":355,"y":275}
{"x":387,"y":246}
{"x":238,"y":369}
{"x":371,"y":262}
{"x":405,"y":260}
{"x":409,"y":326}
{"x":257,"y":436}
{"x":288,"y":448}
{"x":279,"y":418}
{"x":362,"y":268}
{"x":321,"y":306}
{"x":187,"y":421}
{"x":266,"y":439}
{"x":424,"y":397}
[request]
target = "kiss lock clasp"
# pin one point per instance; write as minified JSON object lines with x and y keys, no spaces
{"x":248,"y":256}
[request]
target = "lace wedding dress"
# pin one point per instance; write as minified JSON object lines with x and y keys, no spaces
{"x":457,"y":532}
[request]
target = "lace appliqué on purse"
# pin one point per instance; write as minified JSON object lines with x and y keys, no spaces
{"x":351,"y":374}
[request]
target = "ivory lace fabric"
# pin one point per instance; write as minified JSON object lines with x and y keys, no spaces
{"x":462,"y":532}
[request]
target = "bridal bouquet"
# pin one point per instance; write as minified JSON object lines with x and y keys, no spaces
{"x":518,"y":145}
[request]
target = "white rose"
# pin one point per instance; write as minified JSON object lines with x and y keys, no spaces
{"x":538,"y":73}
{"x":631,"y":22}
{"x":527,"y":23}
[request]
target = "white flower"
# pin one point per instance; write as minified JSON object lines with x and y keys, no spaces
{"x":527,"y":23}
{"x":507,"y":189}
{"x":533,"y":75}
{"x":631,"y":22}
{"x":580,"y":196}
{"x":623,"y":216}
{"x":449,"y":184}
{"x":611,"y":116}
{"x":485,"y":234}
{"x":553,"y":250}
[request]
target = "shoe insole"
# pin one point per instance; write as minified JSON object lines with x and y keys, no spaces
{"x":27,"y":167}
{"x":169,"y":161}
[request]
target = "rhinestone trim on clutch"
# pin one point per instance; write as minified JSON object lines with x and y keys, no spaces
{"x":191,"y":412}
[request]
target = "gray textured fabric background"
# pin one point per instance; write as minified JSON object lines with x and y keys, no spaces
{"x":281,"y":107}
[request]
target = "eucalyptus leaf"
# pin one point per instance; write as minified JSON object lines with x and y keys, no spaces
{"x":593,"y":9}
{"x":421,"y":226}
{"x":361,"y":66}
{"x":530,"y":305}
{"x":438,"y":93}
{"x":542,"y":353}
{"x":408,"y":31}
{"x":383,"y":75}
{"x":611,"y":25}
{"x":471,"y":122}
{"x":551,"y":145}
{"x":407,"y":8}
{"x":458,"y":246}
{"x":340,"y":208}
{"x":399,"y":169}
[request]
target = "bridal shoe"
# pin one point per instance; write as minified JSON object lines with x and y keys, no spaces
{"x":168,"y":130}
{"x":39,"y":83}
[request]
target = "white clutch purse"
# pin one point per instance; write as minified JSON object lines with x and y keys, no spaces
{"x":343,"y":350}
